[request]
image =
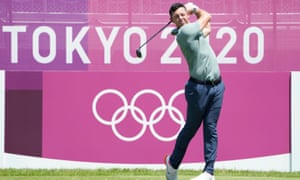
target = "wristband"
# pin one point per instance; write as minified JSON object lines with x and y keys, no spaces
{"x":194,"y":10}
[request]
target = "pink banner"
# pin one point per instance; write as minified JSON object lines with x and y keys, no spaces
{"x":99,"y":35}
{"x":101,"y":117}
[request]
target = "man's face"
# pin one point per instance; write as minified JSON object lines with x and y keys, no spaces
{"x":180,"y":17}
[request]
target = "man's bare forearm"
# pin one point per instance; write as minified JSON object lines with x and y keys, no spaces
{"x":206,"y":30}
{"x":203,"y":18}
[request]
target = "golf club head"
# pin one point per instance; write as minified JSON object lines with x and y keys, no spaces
{"x":138,"y":53}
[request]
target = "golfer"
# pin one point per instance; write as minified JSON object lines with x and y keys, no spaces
{"x":203,"y":91}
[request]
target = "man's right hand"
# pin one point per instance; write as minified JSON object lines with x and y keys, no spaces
{"x":191,"y":8}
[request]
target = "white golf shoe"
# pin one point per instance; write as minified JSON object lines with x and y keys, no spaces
{"x":204,"y":176}
{"x":171,"y":173}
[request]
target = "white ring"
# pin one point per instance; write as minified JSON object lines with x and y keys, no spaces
{"x":99,"y":95}
{"x":138,"y":115}
{"x":133,"y":138}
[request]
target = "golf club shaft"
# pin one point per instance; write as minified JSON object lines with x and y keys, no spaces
{"x":155,"y":34}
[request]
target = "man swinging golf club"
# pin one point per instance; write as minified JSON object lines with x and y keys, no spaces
{"x":203,"y":91}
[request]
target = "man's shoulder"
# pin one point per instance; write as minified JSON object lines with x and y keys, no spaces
{"x":189,"y":29}
{"x":191,"y":24}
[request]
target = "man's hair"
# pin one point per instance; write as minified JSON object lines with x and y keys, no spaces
{"x":174,"y":7}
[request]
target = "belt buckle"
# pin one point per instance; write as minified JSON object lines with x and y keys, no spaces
{"x":215,"y":82}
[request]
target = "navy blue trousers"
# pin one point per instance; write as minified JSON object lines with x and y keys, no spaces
{"x":204,"y":104}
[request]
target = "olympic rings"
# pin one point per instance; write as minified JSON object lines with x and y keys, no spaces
{"x":138,"y":115}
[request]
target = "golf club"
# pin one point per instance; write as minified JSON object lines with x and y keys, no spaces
{"x":138,"y":50}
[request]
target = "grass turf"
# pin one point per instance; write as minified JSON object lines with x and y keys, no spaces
{"x":136,"y":174}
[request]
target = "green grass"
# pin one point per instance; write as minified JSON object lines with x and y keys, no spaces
{"x":136,"y":174}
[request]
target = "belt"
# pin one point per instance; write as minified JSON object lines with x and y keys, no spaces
{"x":208,"y":82}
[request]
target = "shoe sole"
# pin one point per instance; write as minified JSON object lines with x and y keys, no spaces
{"x":165,"y":159}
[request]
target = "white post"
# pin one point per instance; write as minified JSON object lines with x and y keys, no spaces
{"x":295,"y":121}
{"x":2,"y":116}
